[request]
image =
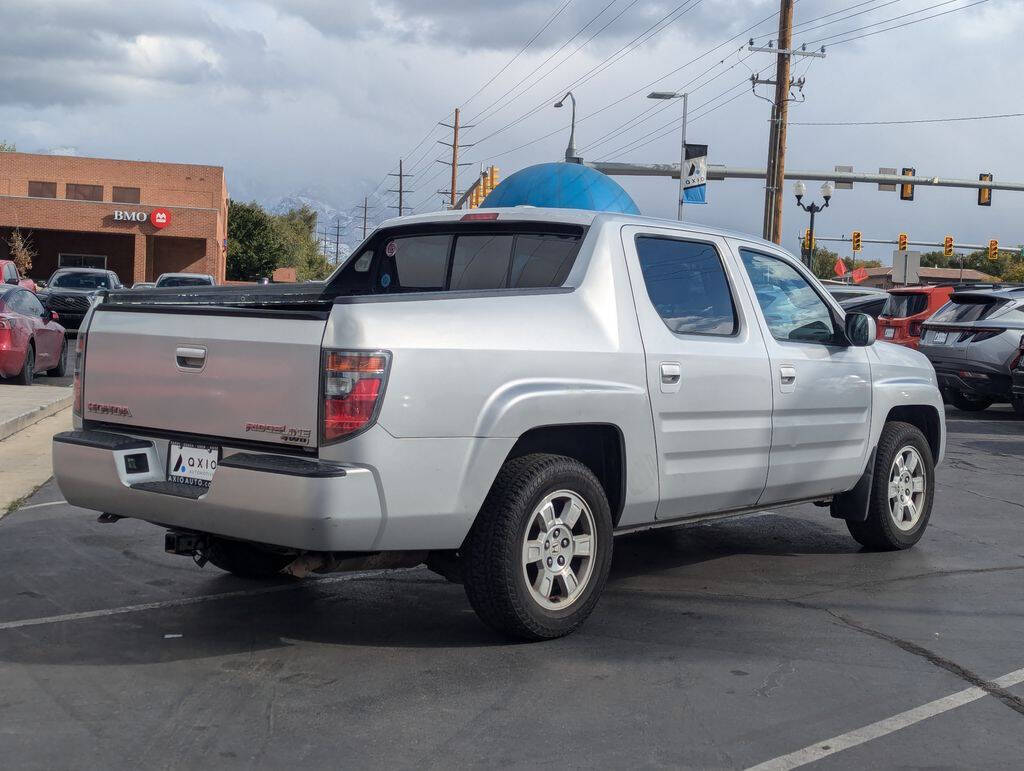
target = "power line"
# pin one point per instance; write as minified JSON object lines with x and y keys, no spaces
{"x":894,"y":18}
{"x":907,"y":122}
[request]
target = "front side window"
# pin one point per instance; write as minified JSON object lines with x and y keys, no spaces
{"x":76,"y":192}
{"x":793,"y":310}
{"x":687,"y":285}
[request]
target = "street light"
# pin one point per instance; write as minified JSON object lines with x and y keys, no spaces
{"x":570,"y":151}
{"x":682,"y":144}
{"x":800,"y":190}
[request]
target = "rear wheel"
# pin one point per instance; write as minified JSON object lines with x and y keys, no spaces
{"x":902,"y":491}
{"x":245,"y":559}
{"x":967,"y":402}
{"x":538,"y":555}
{"x":62,"y":363}
{"x":27,"y":373}
{"x":1018,"y":405}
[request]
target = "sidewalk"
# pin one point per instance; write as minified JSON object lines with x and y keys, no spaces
{"x":21,"y":406}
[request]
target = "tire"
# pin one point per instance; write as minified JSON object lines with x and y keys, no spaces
{"x":534,"y":497}
{"x":880,"y":531}
{"x":27,"y":373}
{"x":61,"y":370}
{"x":245,"y":560}
{"x":962,"y":401}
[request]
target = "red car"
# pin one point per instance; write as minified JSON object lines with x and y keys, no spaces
{"x":906,"y":309}
{"x":9,"y":275}
{"x":31,"y":340}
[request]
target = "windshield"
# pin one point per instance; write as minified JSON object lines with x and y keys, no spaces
{"x":184,"y":281}
{"x":81,"y":281}
{"x":899,"y":306}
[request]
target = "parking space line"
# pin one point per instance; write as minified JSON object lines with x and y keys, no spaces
{"x":183,"y":602}
{"x":889,"y":725}
{"x":38,"y":505}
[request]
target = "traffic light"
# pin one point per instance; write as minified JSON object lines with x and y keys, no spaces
{"x":901,"y":242}
{"x":493,"y":173}
{"x":906,"y":190}
{"x":855,"y":240}
{"x":808,"y":243}
{"x":993,"y":250}
{"x":947,"y":246}
{"x":984,"y":193}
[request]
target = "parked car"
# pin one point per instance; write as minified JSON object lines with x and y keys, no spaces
{"x":70,"y":291}
{"x":870,"y":304}
{"x":9,"y":275}
{"x":143,"y":285}
{"x":31,"y":340}
{"x":972,"y":341}
{"x":476,"y":391}
{"x":1017,"y":375}
{"x":906,"y":310}
{"x":185,"y":279}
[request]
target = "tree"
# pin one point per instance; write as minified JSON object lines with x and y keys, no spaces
{"x":1015,"y":273}
{"x":297,"y":229}
{"x":7,"y":147}
{"x":22,"y":251}
{"x":255,"y":244}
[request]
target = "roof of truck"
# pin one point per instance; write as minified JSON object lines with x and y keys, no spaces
{"x":567,"y":217}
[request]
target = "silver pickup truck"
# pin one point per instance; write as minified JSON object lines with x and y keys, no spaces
{"x":498,"y":394}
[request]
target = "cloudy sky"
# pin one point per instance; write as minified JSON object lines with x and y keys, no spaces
{"x":325,"y":97}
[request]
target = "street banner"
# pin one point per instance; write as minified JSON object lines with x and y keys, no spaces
{"x":840,"y":267}
{"x":859,"y":275}
{"x":695,"y":182}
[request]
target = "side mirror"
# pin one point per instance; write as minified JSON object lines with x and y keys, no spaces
{"x":860,"y":329}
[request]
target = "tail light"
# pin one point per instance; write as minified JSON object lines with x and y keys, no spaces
{"x":353,"y":388}
{"x":914,"y":330}
{"x":1020,"y":354}
{"x":79,"y":372}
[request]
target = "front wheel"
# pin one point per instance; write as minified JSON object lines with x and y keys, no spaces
{"x":902,"y":491}
{"x":539,"y":552}
{"x":968,"y":403}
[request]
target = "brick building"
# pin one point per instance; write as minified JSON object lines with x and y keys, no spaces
{"x":137,"y":218}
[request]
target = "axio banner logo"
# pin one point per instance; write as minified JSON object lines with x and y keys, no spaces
{"x":695,"y":183}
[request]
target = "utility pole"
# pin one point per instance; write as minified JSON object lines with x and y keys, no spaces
{"x":366,"y":206}
{"x":337,"y":239}
{"x":453,"y":191}
{"x":401,"y":188}
{"x":776,"y":171}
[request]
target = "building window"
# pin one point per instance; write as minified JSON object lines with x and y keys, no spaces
{"x":42,"y":189}
{"x":125,"y":194}
{"x":75,"y":192}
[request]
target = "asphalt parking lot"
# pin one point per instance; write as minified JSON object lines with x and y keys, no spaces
{"x":770,"y":638}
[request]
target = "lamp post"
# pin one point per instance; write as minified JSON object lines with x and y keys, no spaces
{"x":682,"y":143}
{"x":570,"y":151}
{"x":800,"y":190}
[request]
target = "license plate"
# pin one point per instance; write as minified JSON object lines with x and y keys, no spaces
{"x":939,"y":337}
{"x":191,"y":464}
{"x":890,"y":332}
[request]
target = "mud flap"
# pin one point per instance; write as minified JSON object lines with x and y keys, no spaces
{"x":853,"y":504}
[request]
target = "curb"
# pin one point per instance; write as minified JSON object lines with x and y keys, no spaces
{"x":27,"y":418}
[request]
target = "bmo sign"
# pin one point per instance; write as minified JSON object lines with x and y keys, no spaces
{"x":158,"y":218}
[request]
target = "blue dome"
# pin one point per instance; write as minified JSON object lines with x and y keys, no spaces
{"x":561,"y":186}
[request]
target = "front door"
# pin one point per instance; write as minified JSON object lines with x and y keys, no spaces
{"x":707,"y":371}
{"x":822,"y":415}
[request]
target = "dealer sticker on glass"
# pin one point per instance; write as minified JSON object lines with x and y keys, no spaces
{"x":191,"y":464}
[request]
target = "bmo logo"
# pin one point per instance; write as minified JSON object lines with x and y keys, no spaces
{"x":158,"y":218}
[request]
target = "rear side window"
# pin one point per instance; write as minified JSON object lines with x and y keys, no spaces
{"x":687,"y":285}
{"x":899,"y":306}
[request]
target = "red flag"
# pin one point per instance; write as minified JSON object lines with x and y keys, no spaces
{"x":859,"y":275}
{"x":840,"y":267}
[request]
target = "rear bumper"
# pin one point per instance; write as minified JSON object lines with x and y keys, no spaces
{"x":282,"y":500}
{"x":974,"y":381}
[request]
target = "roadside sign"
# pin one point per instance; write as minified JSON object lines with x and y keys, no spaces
{"x":695,"y":183}
{"x":844,"y":185}
{"x":886,"y":187}
{"x":906,"y":267}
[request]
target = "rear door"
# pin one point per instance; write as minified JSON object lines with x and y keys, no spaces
{"x":707,"y":371}
{"x":822,"y":390}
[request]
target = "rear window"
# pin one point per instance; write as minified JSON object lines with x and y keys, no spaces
{"x":899,"y":306}
{"x":473,"y":258}
{"x":966,"y":309}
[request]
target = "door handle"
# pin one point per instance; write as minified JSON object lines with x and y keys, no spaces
{"x":787,"y":374}
{"x":671,"y":373}
{"x":190,"y":358}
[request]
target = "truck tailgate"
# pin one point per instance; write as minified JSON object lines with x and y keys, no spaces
{"x":230,"y":376}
